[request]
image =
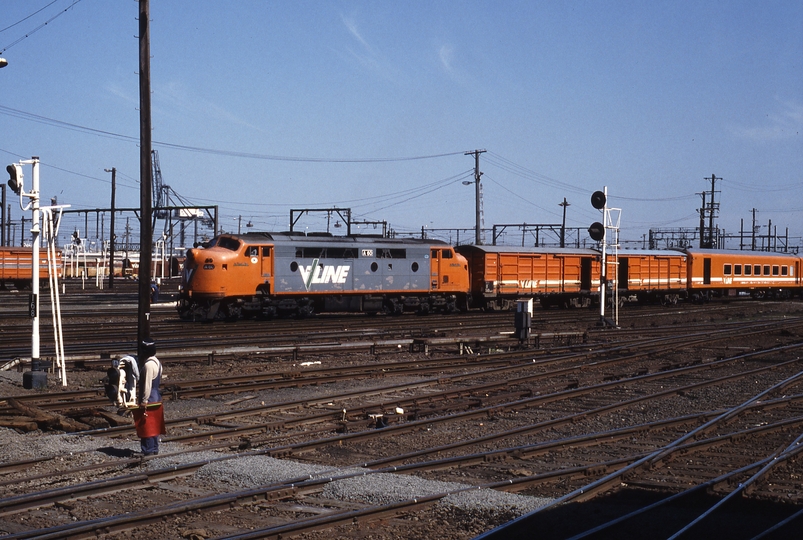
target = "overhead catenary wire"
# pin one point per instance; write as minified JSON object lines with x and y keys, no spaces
{"x":29,"y":34}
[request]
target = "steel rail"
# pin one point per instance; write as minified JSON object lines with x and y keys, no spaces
{"x":272,"y":492}
{"x":653,"y":458}
{"x":451,"y":394}
{"x":777,"y":457}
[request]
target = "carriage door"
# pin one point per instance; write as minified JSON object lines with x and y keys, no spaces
{"x":707,"y":271}
{"x":585,"y":273}
{"x":622,"y":274}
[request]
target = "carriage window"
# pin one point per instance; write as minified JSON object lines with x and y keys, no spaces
{"x":727,"y":270}
{"x":747,"y":269}
{"x":774,"y":269}
{"x":757,"y":270}
{"x":784,"y":270}
{"x":766,"y":269}
{"x":737,"y":270}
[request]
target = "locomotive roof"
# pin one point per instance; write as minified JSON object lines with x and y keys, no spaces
{"x":296,"y":237}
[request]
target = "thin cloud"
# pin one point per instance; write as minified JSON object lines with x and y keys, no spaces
{"x":446,"y":55}
{"x":351,"y":26}
{"x":781,"y":125}
{"x":176,"y":97}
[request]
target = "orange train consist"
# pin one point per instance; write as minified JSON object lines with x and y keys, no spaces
{"x":272,"y":274}
{"x":16,"y":268}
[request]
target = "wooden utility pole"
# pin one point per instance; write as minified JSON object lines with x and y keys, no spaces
{"x":564,"y":204}
{"x":478,"y":208}
{"x":145,"y":182}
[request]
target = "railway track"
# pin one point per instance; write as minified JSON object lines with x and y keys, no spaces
{"x":539,"y":422}
{"x":533,"y":422}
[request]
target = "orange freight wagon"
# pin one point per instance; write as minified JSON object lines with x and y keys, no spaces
{"x":16,"y":268}
{"x":500,"y":275}
{"x":652,"y":275}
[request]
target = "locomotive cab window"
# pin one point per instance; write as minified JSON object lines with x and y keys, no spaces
{"x":266,"y":251}
{"x":252,"y":251}
{"x":727,"y":270}
{"x":446,"y":253}
{"x":229,"y":243}
{"x":434,"y":253}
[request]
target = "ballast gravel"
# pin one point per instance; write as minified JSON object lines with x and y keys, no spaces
{"x":364,"y":486}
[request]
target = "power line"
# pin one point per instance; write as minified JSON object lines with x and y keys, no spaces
{"x":40,"y":26}
{"x":211,"y":151}
{"x":29,"y":16}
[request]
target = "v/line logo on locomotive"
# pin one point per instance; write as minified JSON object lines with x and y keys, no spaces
{"x":324,"y":273}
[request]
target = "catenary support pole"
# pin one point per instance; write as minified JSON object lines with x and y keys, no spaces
{"x":145,"y":181}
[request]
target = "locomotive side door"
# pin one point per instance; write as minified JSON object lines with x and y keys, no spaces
{"x":266,"y":266}
{"x":434,"y":265}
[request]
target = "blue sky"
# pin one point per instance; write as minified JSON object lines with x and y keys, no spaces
{"x":264,"y":106}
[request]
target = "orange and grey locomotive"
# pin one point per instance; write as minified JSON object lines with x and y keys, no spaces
{"x":296,"y":274}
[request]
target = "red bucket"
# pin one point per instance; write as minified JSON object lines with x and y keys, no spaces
{"x":152,"y":424}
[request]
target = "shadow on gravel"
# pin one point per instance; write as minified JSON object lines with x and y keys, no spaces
{"x":118,"y":452}
{"x":737,"y":519}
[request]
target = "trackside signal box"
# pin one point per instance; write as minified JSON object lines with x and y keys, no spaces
{"x":523,"y":319}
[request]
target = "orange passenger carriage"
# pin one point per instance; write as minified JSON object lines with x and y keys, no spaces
{"x":725,"y":273}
